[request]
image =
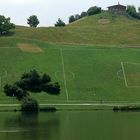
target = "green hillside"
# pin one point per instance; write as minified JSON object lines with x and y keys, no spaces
{"x":100,"y":29}
{"x":94,"y":66}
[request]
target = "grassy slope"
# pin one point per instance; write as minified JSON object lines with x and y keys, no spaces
{"x":98,"y":67}
{"x":95,"y":72}
{"x":121,"y":30}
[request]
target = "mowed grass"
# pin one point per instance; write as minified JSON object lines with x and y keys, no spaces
{"x":86,"y":74}
{"x":120,"y":30}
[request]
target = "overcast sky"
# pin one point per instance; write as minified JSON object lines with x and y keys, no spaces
{"x":48,"y":11}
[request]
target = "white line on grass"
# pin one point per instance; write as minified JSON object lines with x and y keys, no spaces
{"x":75,"y":104}
{"x":125,"y":81}
{"x":64,"y":74}
{"x":62,"y":104}
{"x":0,"y":82}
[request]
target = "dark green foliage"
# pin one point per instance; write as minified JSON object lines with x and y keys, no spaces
{"x":60,"y":23}
{"x":131,"y":10}
{"x":126,"y":108}
{"x":83,"y":14}
{"x":71,"y":19}
{"x":34,"y":82}
{"x":48,"y":109}
{"x":77,"y":16}
{"x":45,"y":79}
{"x":30,"y":81}
{"x":53,"y":89}
{"x":94,"y":10}
{"x":29,"y":104}
{"x":5,"y":25}
{"x":33,"y":21}
{"x":139,"y":10}
{"x":15,"y":91}
{"x":74,"y":18}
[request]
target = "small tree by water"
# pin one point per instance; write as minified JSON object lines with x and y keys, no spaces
{"x":34,"y":82}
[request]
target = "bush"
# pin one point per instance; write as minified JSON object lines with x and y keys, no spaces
{"x":83,"y":14}
{"x":29,"y":104}
{"x":94,"y":10}
{"x":71,"y":19}
{"x":48,"y":109}
{"x":60,"y":23}
{"x":77,"y":16}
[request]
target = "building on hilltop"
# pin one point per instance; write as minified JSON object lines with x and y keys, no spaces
{"x":120,"y":9}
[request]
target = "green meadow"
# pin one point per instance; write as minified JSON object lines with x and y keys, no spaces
{"x":86,"y":74}
{"x":94,"y":61}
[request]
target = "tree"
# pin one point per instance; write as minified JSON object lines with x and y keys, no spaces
{"x":34,"y":82}
{"x":71,"y":19}
{"x":94,"y":10}
{"x":60,"y":23}
{"x":131,"y":10}
{"x":5,"y":25}
{"x":15,"y":91}
{"x":139,"y":10}
{"x":83,"y":14}
{"x":77,"y":16}
{"x":33,"y":21}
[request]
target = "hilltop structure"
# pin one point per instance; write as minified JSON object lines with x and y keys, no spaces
{"x":119,"y":9}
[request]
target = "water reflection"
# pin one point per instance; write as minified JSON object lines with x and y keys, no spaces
{"x":28,"y":126}
{"x":72,"y":125}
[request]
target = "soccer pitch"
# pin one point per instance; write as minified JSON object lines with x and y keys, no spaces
{"x":86,"y":74}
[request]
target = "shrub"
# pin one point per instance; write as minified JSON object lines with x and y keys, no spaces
{"x":83,"y":14}
{"x":71,"y":19}
{"x":29,"y":104}
{"x":60,"y":23}
{"x":94,"y":10}
{"x":77,"y":16}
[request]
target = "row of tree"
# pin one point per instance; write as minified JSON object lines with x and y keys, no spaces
{"x":91,"y":11}
{"x":33,"y":21}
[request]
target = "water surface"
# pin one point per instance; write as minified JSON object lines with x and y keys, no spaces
{"x":85,"y":125}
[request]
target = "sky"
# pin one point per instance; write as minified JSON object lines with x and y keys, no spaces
{"x":48,"y":11}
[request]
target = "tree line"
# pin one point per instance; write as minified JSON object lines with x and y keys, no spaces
{"x":33,"y":21}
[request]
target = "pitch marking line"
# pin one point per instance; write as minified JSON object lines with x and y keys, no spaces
{"x":75,"y":104}
{"x":68,"y":79}
{"x":0,"y":82}
{"x":64,"y":73}
{"x":125,"y":81}
{"x":118,"y":74}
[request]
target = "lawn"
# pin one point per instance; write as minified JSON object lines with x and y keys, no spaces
{"x":86,"y":74}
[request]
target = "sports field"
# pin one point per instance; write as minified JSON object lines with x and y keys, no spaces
{"x":86,"y":74}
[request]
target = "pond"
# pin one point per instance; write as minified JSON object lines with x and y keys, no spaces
{"x":70,"y":125}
